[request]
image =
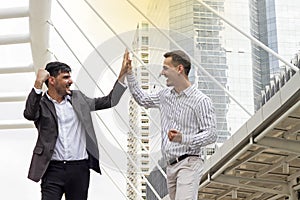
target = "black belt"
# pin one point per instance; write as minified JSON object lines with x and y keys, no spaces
{"x":70,"y":162}
{"x":173,"y":161}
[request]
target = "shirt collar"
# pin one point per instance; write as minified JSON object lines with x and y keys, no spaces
{"x":67,"y":97}
{"x":187,"y":92}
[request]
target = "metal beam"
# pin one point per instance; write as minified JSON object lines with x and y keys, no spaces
{"x":224,"y":194}
{"x":7,"y":13}
{"x":276,"y":197}
{"x":293,"y":131}
{"x":275,"y":165}
{"x":236,"y":182}
{"x":20,"y":69}
{"x":14,"y":39}
{"x":39,"y":32}
{"x":12,"y":97}
{"x":282,"y":117}
{"x":290,"y":146}
{"x":255,"y":195}
{"x":238,"y":179}
{"x":247,"y":158}
{"x":233,"y":158}
{"x":15,"y":124}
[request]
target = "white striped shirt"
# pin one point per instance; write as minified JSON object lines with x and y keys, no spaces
{"x":190,"y":112}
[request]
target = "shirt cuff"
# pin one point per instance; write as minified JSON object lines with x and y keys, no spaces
{"x":123,"y":84}
{"x":37,"y":91}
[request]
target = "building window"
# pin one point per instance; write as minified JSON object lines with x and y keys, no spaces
{"x":144,"y":56}
{"x":145,"y":74}
{"x":145,"y":26}
{"x":145,"y":87}
{"x":145,"y":120}
{"x":145,"y":40}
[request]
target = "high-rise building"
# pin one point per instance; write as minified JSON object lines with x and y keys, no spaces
{"x":238,"y":51}
{"x":275,"y":24}
{"x":144,"y":135}
{"x":138,"y":136}
{"x":149,"y":46}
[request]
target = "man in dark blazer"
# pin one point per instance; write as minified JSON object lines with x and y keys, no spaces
{"x":66,"y":146}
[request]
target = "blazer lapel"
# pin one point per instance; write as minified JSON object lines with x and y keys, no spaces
{"x":80,"y":107}
{"x":50,"y":106}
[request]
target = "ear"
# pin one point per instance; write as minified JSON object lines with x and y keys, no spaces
{"x":51,"y":80}
{"x":181,"y":69}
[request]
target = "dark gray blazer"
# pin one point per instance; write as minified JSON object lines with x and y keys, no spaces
{"x":42,"y":111}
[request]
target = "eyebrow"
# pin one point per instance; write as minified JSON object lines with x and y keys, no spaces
{"x":66,"y":75}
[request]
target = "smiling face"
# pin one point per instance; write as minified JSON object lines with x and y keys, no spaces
{"x":59,"y":81}
{"x":62,"y":83}
{"x":176,"y":68}
{"x":170,"y":71}
{"x":59,"y":86}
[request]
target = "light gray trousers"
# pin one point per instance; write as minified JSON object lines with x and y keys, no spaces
{"x":183,"y":178}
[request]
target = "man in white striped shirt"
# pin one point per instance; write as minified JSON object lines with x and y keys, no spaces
{"x":187,"y":122}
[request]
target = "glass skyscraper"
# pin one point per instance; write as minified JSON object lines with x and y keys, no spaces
{"x":274,"y":23}
{"x":238,"y":51}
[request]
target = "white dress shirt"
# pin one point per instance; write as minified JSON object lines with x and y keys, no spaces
{"x":71,"y":140}
{"x":190,"y":112}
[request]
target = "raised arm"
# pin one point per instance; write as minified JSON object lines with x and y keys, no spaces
{"x":141,"y":97}
{"x":32,"y":107}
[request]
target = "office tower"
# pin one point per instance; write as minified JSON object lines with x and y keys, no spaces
{"x":149,"y":46}
{"x":275,"y":24}
{"x":138,"y":137}
{"x":143,"y":137}
{"x":238,"y":50}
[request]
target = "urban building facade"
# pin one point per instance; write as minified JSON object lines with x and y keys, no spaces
{"x":144,"y":136}
{"x":275,"y":24}
{"x":149,"y":46}
{"x":138,"y":137}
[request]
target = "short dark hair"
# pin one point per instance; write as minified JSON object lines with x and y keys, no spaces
{"x":55,"y":68}
{"x":180,"y":57}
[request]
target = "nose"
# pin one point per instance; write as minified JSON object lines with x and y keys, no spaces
{"x":161,"y":73}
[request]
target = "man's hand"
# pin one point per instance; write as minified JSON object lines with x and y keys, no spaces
{"x":175,"y":136}
{"x":41,"y":77}
{"x":126,"y":66}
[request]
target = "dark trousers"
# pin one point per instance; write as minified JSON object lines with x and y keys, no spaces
{"x":70,"y":178}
